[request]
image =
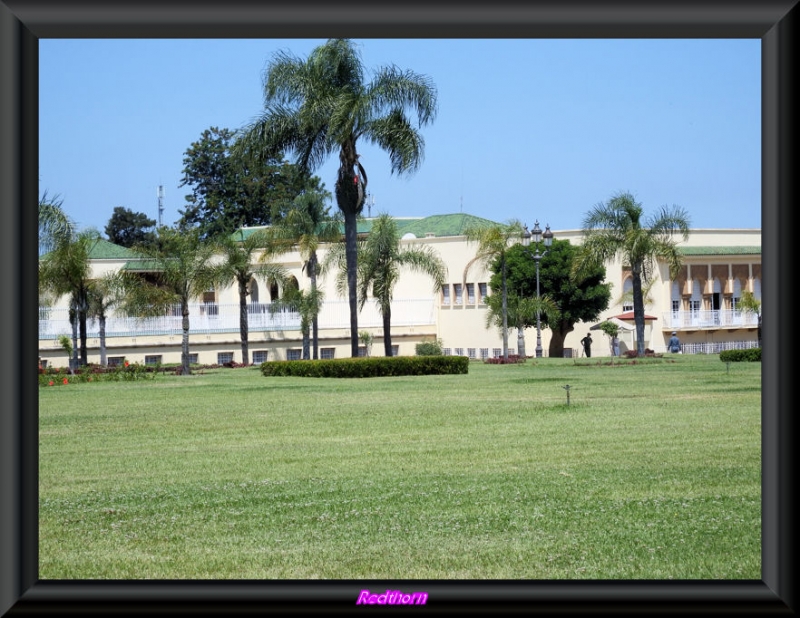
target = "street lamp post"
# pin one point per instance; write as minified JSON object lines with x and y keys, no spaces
{"x":537,"y":235}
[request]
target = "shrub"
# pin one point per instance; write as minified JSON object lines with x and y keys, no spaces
{"x":753,"y":355}
{"x":429,"y":348}
{"x":499,"y":360}
{"x":381,"y":366}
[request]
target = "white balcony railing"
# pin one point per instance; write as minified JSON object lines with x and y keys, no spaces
{"x":710,"y":319}
{"x":205,"y":318}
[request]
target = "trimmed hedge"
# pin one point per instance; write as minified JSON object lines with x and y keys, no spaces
{"x":752,"y":355}
{"x":372,"y":367}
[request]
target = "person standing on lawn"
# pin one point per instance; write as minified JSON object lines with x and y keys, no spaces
{"x":674,"y":344}
{"x":586,"y":342}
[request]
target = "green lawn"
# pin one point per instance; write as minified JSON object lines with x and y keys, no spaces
{"x":653,"y":471}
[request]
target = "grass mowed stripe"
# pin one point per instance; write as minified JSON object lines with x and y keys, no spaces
{"x":652,"y":471}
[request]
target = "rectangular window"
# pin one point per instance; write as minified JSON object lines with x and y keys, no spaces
{"x":259,"y":356}
{"x":471,"y":293}
{"x":627,"y":307}
{"x":483,"y":291}
{"x":327,"y":353}
{"x":458,"y":293}
{"x":395,"y":350}
{"x":115,"y":361}
{"x":193,"y":359}
{"x":446,"y":294}
{"x":224,"y":357}
{"x":447,"y":351}
{"x":459,"y":351}
{"x":294,"y":354}
{"x":471,"y":353}
{"x":676,"y":306}
{"x":154,"y":359}
{"x":362,"y":350}
{"x":484,"y":353}
{"x":497,"y":352}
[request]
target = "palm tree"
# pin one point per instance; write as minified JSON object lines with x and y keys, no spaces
{"x":618,"y":227}
{"x":67,"y":270}
{"x":493,"y":245}
{"x":104,"y":294}
{"x":750,"y":303}
{"x":308,"y":304}
{"x":238,"y":253}
{"x":177,"y":270}
{"x":306,"y":225}
{"x":520,"y":311}
{"x":323,"y":105}
{"x":380,"y":261}
{"x":54,"y":224}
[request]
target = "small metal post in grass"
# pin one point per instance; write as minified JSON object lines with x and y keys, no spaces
{"x":727,"y":366}
{"x":566,"y":388}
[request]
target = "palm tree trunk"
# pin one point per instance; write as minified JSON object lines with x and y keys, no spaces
{"x":312,"y":270}
{"x":350,"y":240}
{"x":349,"y":198}
{"x":387,"y":331}
{"x":521,"y":340}
{"x":73,"y":319}
{"x":638,"y":308}
{"x":243,"y":325}
{"x":101,"y":319}
{"x":505,"y":309}
{"x":185,"y":370}
{"x":82,"y":318}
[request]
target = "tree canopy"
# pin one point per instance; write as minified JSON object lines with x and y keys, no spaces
{"x":128,"y":228}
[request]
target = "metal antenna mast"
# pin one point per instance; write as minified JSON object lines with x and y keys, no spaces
{"x":160,"y":204}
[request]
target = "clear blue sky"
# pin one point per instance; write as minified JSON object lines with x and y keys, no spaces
{"x":529,"y":129}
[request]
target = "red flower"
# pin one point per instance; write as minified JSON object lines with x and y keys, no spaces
{"x":66,"y":381}
{"x":126,"y":363}
{"x":50,"y":383}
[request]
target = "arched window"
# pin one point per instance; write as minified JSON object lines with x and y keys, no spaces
{"x":627,"y":294}
{"x":253,"y":290}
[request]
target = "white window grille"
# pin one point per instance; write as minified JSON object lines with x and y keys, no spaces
{"x":327,"y":353}
{"x":497,"y":352}
{"x":395,"y":350}
{"x":459,"y":351}
{"x":447,"y":351}
{"x":446,"y":294}
{"x":294,"y":354}
{"x":483,"y":291}
{"x":471,"y":293}
{"x":458,"y":293}
{"x":115,"y":361}
{"x":471,"y":353}
{"x":484,"y":353}
{"x":154,"y":359}
{"x":224,"y":357}
{"x":259,"y":356}
{"x":193,"y":359}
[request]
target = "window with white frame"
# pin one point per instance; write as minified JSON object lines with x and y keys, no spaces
{"x":627,"y":294}
{"x":362,"y":350}
{"x":459,"y":351}
{"x":152,"y":359}
{"x":471,"y":293}
{"x":193,"y":359}
{"x":259,"y":356}
{"x":327,"y":353}
{"x":483,"y":291}
{"x":224,"y":357}
{"x":497,"y":352}
{"x":484,"y":353}
{"x":395,"y":350}
{"x":447,"y":351}
{"x":446,"y":294}
{"x":457,"y":292}
{"x":471,"y":353}
{"x":115,"y":361}
{"x":294,"y":354}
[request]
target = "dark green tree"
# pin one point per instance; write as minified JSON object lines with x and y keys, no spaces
{"x":127,"y":228}
{"x":580,"y":301}
{"x":619,"y":228}
{"x":229,"y":192}
{"x":322,"y":106}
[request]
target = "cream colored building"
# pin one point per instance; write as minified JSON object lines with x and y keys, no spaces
{"x":701,"y":306}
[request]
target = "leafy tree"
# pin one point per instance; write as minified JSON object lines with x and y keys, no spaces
{"x":177,"y":270}
{"x":750,"y":303}
{"x":104,"y":294}
{"x":380,"y":262}
{"x":128,"y":229}
{"x":306,"y":225}
{"x":493,"y":246}
{"x":323,"y":105}
{"x":619,"y":228}
{"x":575,"y":301}
{"x":67,"y":270}
{"x":230,"y":192}
{"x":238,"y":263}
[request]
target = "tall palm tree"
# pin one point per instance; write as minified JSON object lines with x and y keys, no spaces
{"x":493,"y":245}
{"x":67,"y":270}
{"x":323,"y":105}
{"x":380,"y":261}
{"x":239,"y":262}
{"x":619,"y":228}
{"x":104,"y":294}
{"x":177,"y":270}
{"x":308,"y":304}
{"x":306,"y":225}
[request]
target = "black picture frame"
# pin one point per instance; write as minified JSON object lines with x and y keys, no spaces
{"x":24,"y":22}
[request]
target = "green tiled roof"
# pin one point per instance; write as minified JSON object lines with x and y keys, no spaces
{"x":104,"y":250}
{"x":438,"y":225}
{"x":744,"y":250}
